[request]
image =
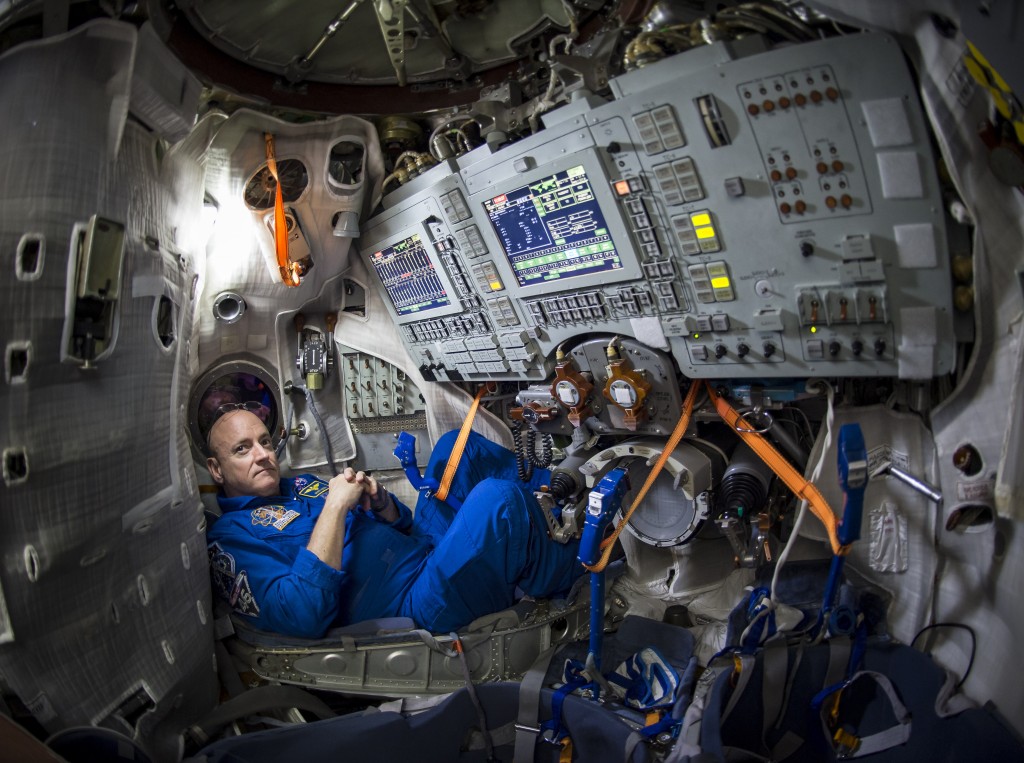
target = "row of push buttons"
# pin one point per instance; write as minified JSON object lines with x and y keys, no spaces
{"x":578,"y":308}
{"x":631,"y":302}
{"x":640,"y":221}
{"x":487,"y":278}
{"x":471,"y":242}
{"x":454,"y":204}
{"x":711,"y":282}
{"x":678,"y":181}
{"x":716,"y":322}
{"x":503,"y":311}
{"x":659,"y":130}
{"x":696,"y":233}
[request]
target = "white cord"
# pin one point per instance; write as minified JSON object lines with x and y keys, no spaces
{"x":821,"y":447}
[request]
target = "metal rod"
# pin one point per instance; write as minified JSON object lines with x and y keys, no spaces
{"x":920,"y":486}
{"x":330,"y":31}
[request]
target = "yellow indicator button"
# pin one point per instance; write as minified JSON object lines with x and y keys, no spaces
{"x":622,"y":187}
{"x":722,"y":282}
{"x":497,"y":285}
{"x":701,"y":218}
{"x":706,"y":232}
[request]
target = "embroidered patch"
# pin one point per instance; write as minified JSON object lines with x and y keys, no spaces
{"x":300,"y":482}
{"x":234,"y":589}
{"x":314,"y":489}
{"x":285,"y":520}
{"x":275,"y":515}
{"x":241,"y":597}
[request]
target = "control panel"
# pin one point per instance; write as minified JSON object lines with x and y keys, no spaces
{"x":776,"y":215}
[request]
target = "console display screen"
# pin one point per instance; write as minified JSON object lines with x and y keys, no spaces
{"x":553,"y":229}
{"x":407,"y":272}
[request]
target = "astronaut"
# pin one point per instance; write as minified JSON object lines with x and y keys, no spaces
{"x":300,"y":555}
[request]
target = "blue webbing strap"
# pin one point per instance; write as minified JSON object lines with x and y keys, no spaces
{"x":405,"y":452}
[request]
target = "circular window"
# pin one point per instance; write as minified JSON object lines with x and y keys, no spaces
{"x":226,"y":385}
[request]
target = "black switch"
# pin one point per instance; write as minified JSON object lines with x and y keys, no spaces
{"x":879,"y":347}
{"x":857,"y":347}
{"x":742,"y":350}
{"x":834,"y":348}
{"x":806,"y":248}
{"x":769,"y":349}
{"x":613,"y":147}
{"x":720,"y":351}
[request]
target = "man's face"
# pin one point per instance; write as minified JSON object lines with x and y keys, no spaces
{"x":243,"y":460}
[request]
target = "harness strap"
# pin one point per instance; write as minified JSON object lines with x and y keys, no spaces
{"x":670,"y":446}
{"x":477,"y":705}
{"x":460,"y":446}
{"x":744,"y":669}
{"x":289,"y":270}
{"x":774,"y":664}
{"x":845,"y":743}
{"x":790,"y":742}
{"x":527,"y":726}
{"x":500,"y":736}
{"x":795,"y":481}
{"x":688,"y":743}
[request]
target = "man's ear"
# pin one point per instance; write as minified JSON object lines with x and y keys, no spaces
{"x":213,"y":466}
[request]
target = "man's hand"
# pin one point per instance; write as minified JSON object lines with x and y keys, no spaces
{"x":328,"y":538}
{"x":346,"y":490}
{"x":376,"y":499}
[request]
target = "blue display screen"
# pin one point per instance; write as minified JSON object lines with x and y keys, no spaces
{"x":408,"y":275}
{"x":553,"y":229}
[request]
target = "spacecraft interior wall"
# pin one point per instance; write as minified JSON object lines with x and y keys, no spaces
{"x":104,"y":577}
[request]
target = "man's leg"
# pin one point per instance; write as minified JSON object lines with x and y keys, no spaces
{"x":480,"y":460}
{"x":495,"y":543}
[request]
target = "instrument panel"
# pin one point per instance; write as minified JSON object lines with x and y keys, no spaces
{"x":765,"y":216}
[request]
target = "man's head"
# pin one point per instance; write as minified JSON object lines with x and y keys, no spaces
{"x":243,"y":461}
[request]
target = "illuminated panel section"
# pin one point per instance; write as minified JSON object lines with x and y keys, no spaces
{"x":553,"y":228}
{"x":409,"y":277}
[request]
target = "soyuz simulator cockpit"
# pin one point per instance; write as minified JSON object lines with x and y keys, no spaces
{"x":737,"y":286}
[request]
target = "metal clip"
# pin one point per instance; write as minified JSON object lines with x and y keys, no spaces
{"x":757,"y":413}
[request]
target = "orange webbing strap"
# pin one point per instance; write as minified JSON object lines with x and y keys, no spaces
{"x":460,"y":445}
{"x":785,"y":470}
{"x":565,"y":754}
{"x":289,"y":270}
{"x":670,"y":446}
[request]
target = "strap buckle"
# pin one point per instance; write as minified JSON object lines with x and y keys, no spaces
{"x":540,"y":733}
{"x":846,"y":743}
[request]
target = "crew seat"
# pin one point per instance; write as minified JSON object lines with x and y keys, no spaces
{"x":391,"y":657}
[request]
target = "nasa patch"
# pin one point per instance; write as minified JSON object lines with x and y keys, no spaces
{"x":276,"y":516}
{"x":300,"y":482}
{"x":314,"y":489}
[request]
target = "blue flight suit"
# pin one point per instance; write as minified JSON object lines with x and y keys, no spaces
{"x":443,"y":569}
